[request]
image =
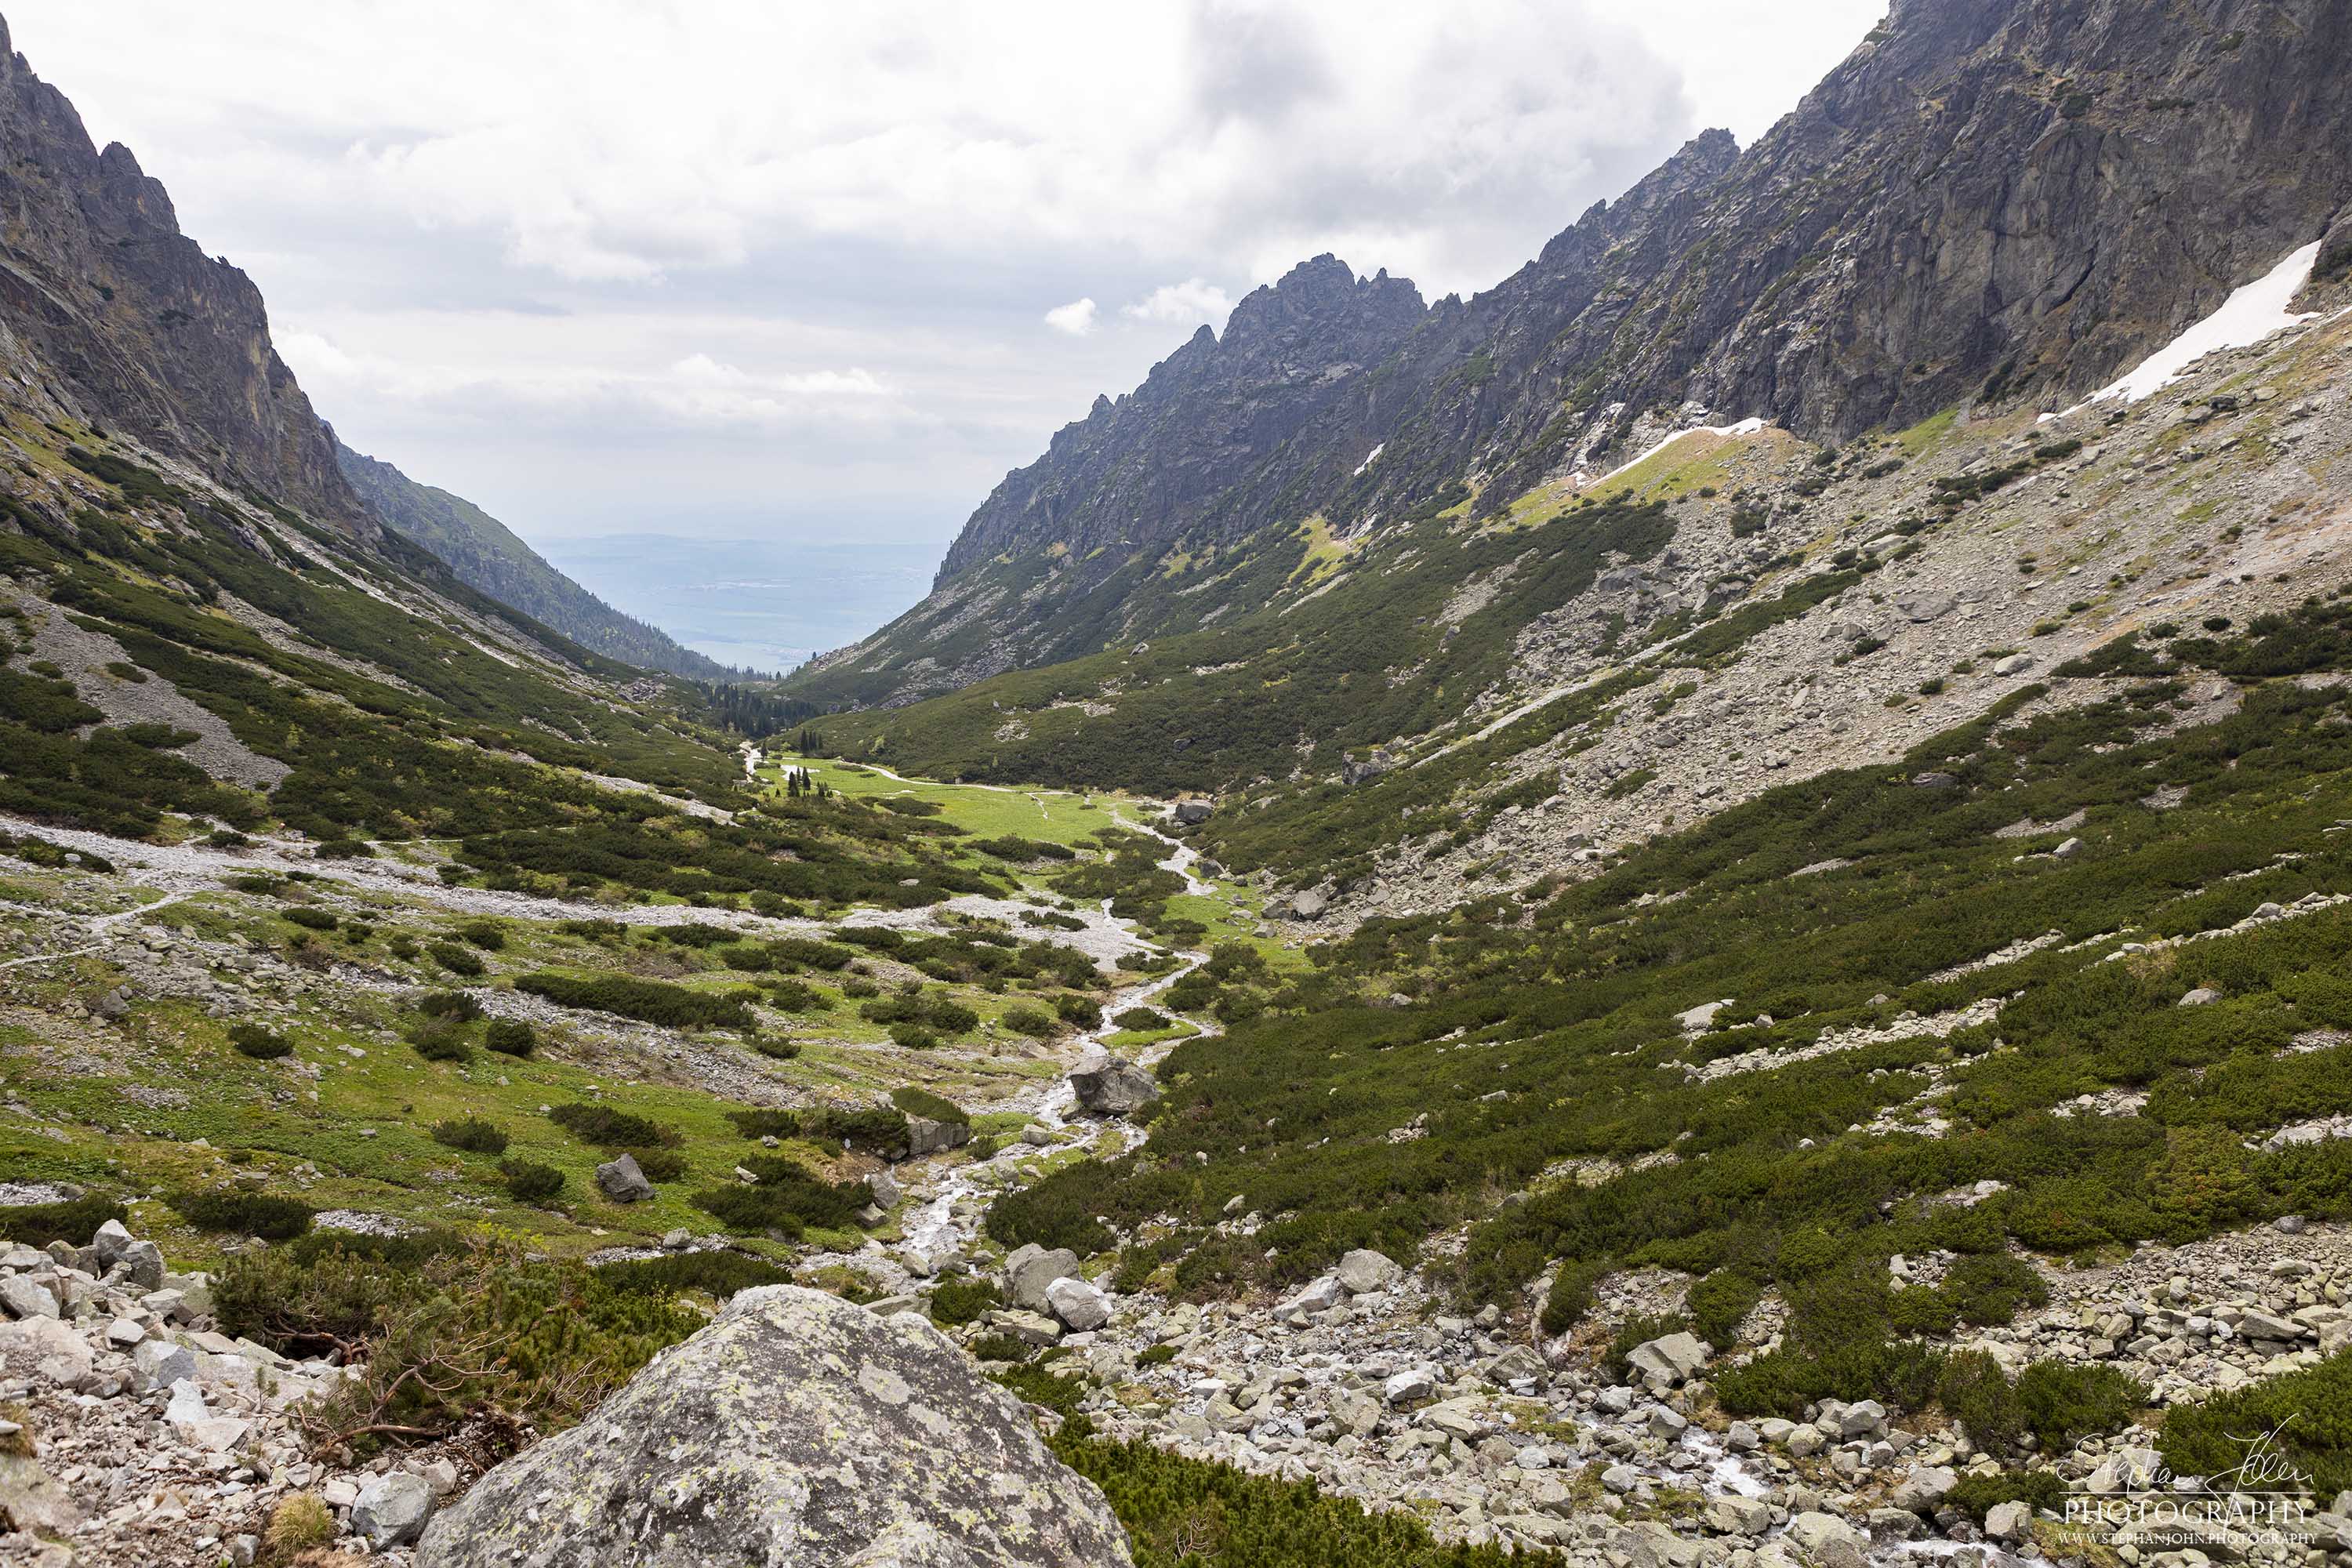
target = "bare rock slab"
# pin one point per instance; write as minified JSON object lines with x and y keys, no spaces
{"x":796,"y":1429}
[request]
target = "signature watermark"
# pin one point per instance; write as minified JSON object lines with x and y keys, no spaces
{"x":2264,"y":1498}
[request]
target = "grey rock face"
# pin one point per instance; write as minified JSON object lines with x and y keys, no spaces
{"x":1117,"y":1088}
{"x":621,"y":1181}
{"x":1192,"y":813}
{"x":143,"y":328}
{"x":797,"y":1429}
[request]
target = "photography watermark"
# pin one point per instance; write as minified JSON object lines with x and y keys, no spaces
{"x":2264,"y":1499}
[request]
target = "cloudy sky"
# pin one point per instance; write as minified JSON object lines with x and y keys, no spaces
{"x":735,"y":270}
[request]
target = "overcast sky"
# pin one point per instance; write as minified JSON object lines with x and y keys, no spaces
{"x":737,"y":270}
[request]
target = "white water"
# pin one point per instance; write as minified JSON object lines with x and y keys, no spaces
{"x":937,"y":1226}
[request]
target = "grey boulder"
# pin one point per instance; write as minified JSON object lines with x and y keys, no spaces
{"x":1364,"y":1271}
{"x":1081,"y":1306}
{"x":925,"y":1136}
{"x":391,"y":1509}
{"x":1669,"y":1360}
{"x":796,"y":1429}
{"x":1115,"y":1086}
{"x":1030,"y":1268}
{"x":621,"y":1181}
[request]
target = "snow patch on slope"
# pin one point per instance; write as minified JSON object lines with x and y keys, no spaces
{"x":1749,"y":426}
{"x":2248,"y":316}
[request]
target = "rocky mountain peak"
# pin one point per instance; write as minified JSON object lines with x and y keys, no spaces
{"x":133,"y":325}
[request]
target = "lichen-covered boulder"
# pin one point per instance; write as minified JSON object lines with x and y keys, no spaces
{"x":796,"y":1429}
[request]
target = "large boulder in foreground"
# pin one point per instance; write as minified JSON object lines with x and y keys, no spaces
{"x":1114,"y":1087}
{"x":796,"y":1429}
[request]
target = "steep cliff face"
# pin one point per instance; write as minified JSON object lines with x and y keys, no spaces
{"x":1989,"y":199}
{"x":485,"y":555}
{"x":137,"y":328}
{"x":1990,"y":203}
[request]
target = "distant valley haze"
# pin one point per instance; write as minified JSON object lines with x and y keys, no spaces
{"x":735,"y":312}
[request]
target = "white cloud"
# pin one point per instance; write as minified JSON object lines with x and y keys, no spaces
{"x":1194,"y":299}
{"x":695,"y":391}
{"x":1076,"y":318}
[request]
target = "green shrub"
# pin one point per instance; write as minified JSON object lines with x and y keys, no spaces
{"x":1031,"y":1021}
{"x":648,"y":1001}
{"x":244,"y":1214}
{"x":253,"y":1040}
{"x":1180,"y":1512}
{"x":775,"y":1049}
{"x":922,"y":1102}
{"x":454,"y":1005}
{"x":657,"y":1164}
{"x":472,"y":1134}
{"x":511,"y":1037}
{"x":766,"y":1123}
{"x":608,"y":1127}
{"x":1572,"y":1293}
{"x":531,"y":1184}
{"x":1987,"y":1289}
{"x":716,"y":1273}
{"x":959,"y":1302}
{"x":487,"y":935}
{"x":1975,"y":1392}
{"x":2203,"y":1181}
{"x":797,"y":996}
{"x":2302,"y":1417}
{"x":439,"y":1040}
{"x":787,"y":1199}
{"x":1718,"y":1302}
{"x":456,"y":960}
{"x":1141,"y":1020}
{"x":544,"y":1340}
{"x":2043,"y":1491}
{"x":2063,"y":1403}
{"x":308,"y":919}
{"x":813,"y":953}
{"x":71,"y":1220}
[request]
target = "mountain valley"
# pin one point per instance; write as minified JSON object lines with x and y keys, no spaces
{"x":1697,"y":911}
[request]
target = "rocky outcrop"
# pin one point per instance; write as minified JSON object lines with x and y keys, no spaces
{"x":135,"y":327}
{"x":797,"y":1429}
